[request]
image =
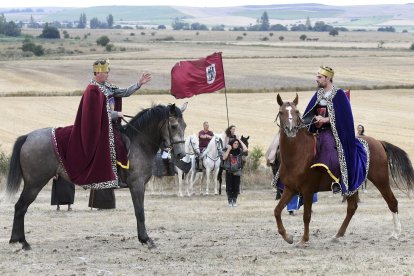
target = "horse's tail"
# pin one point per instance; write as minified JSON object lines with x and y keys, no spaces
{"x":402,"y":172}
{"x":14,"y":177}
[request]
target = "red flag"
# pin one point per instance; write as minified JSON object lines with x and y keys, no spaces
{"x":205,"y":75}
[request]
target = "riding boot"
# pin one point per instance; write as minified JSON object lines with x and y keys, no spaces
{"x":199,"y":164}
{"x":336,"y":187}
{"x":278,"y":193}
{"x":121,"y":178}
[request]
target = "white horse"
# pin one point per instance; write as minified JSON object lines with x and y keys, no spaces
{"x":211,"y":157}
{"x":192,"y":150}
{"x":191,"y":147}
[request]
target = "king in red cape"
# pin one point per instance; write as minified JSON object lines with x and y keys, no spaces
{"x":90,"y":150}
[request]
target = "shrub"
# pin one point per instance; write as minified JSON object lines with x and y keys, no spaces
{"x":4,"y":163}
{"x":253,"y":160}
{"x":167,"y":38}
{"x":153,"y":33}
{"x":142,"y":33}
{"x":132,"y":34}
{"x":50,"y":32}
{"x":270,"y":34}
{"x":264,"y":38}
{"x":29,"y":46}
{"x":103,"y":40}
{"x":122,"y":49}
{"x":281,"y":38}
{"x":244,"y":34}
{"x":303,"y":37}
{"x":239,"y":38}
{"x":333,"y":32}
{"x":110,"y":47}
{"x":412,"y":47}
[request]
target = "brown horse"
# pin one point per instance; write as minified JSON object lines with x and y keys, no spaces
{"x":297,"y":154}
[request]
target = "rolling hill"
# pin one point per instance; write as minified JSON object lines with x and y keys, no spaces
{"x":368,"y":16}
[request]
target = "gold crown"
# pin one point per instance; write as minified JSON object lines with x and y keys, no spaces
{"x":326,"y":71}
{"x":101,"y":66}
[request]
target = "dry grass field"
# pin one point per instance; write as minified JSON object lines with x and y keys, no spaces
{"x":201,"y":235}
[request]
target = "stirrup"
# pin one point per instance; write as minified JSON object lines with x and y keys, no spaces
{"x":336,"y":188}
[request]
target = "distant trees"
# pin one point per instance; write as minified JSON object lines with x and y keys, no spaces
{"x":199,"y":27}
{"x":110,"y":21}
{"x":50,"y":32}
{"x":386,"y":29}
{"x":178,"y":24}
{"x":218,"y":28}
{"x":8,"y":28}
{"x":278,"y":28}
{"x":82,"y":21}
{"x":264,"y":22}
{"x":308,"y":24}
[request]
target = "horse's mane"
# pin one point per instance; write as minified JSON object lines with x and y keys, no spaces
{"x":149,"y":118}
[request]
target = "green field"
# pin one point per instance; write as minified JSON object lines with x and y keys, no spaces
{"x":147,"y":14}
{"x":289,"y":14}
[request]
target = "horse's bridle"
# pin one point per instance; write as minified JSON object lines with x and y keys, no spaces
{"x":299,"y":124}
{"x":172,"y":143}
{"x":194,"y":149}
{"x":219,"y":147}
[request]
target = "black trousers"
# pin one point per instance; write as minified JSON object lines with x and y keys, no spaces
{"x":232,"y":185}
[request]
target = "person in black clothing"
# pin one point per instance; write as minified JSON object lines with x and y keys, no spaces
{"x":63,"y":192}
{"x":232,"y":164}
{"x":102,"y":199}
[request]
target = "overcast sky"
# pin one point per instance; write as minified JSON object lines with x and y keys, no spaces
{"x":190,"y":3}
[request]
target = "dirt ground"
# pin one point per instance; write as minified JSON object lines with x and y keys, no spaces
{"x":201,"y":235}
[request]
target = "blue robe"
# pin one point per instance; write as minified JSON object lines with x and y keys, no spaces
{"x":353,"y":153}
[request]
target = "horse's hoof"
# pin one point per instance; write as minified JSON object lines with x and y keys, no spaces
{"x":26,"y":246}
{"x":302,"y":244}
{"x":335,"y":239}
{"x":289,"y":239}
{"x":151,"y":244}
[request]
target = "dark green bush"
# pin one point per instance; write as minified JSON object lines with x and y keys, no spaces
{"x":103,"y":40}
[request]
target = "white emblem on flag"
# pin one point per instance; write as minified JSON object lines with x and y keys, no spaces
{"x":211,"y":73}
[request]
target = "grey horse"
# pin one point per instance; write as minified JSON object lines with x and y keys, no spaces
{"x":34,"y":160}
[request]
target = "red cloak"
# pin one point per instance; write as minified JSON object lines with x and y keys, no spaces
{"x":87,"y":149}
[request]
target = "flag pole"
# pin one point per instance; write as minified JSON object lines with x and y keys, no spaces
{"x":227,"y":109}
{"x":225,"y":91}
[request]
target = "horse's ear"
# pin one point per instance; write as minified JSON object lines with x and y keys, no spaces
{"x":184,"y":107}
{"x":172,"y":110}
{"x":279,"y":100}
{"x":242,"y":137}
{"x":247,"y":138}
{"x":296,"y":100}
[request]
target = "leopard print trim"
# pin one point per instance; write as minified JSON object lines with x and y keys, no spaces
{"x":55,"y":147}
{"x":105,"y":89}
{"x":275,"y":179}
{"x":366,"y":147}
{"x":342,"y":161}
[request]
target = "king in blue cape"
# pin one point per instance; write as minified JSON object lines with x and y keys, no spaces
{"x":344,"y":156}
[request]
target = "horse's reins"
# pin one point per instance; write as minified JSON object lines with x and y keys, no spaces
{"x":172,"y":143}
{"x":302,"y":123}
{"x":194,"y":149}
{"x":218,"y":153}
